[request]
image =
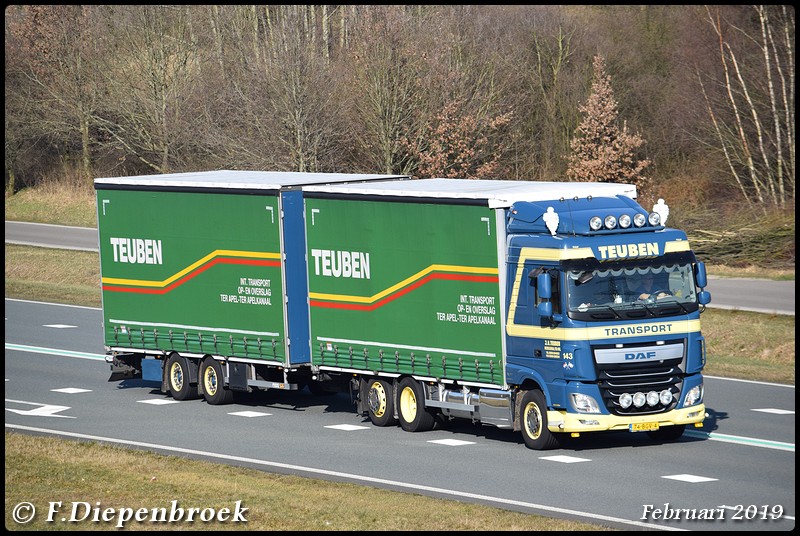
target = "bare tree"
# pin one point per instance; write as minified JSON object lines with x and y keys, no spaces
{"x":754,"y":120}
{"x":385,"y":97}
{"x":154,"y":81}
{"x":57,"y":55}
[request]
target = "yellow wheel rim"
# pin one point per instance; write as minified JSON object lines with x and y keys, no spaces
{"x":210,"y":381}
{"x":176,"y":376}
{"x":377,"y":399}
{"x":408,"y":404}
{"x":533,"y":420}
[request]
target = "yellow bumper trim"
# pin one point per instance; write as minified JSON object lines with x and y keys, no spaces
{"x":561,"y":421}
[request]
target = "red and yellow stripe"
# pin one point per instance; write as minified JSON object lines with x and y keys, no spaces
{"x":220,"y":256}
{"x":431,"y":273}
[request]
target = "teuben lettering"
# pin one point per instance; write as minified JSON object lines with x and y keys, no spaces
{"x":645,"y":249}
{"x":137,"y":250}
{"x":332,"y":263}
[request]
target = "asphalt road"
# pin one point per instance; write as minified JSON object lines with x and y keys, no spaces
{"x":758,"y":295}
{"x":740,"y":465}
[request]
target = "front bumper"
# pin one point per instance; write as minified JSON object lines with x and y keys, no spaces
{"x":561,"y":421}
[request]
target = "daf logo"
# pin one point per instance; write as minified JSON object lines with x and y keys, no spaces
{"x":640,"y":355}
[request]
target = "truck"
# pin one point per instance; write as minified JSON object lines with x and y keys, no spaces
{"x":511,"y":304}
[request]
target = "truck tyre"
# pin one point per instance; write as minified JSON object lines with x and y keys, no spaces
{"x":177,"y":371}
{"x":667,"y":433}
{"x":380,"y":402}
{"x":214,"y":390}
{"x":533,"y":423}
{"x":411,"y":407}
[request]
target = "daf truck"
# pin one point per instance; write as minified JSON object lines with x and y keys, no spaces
{"x":514,"y":304}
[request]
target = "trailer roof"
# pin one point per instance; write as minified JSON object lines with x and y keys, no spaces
{"x":236,"y":179}
{"x":498,"y":193}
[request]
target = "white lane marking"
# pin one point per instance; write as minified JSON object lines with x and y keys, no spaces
{"x":451,"y":442}
{"x":690,"y":478}
{"x":564,"y":459}
{"x":58,"y":326}
{"x":249,"y":414}
{"x":44,"y":410}
{"x":71,"y":390}
{"x":347,"y":427}
{"x":158,"y":401}
{"x":775,"y":411}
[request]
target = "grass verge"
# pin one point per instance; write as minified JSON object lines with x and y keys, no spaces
{"x":40,"y":470}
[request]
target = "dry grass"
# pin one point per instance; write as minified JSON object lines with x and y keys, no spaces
{"x":52,"y":275}
{"x":54,"y":203}
{"x":750,"y":346}
{"x":40,"y":470}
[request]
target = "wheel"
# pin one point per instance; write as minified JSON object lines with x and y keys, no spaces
{"x":214,"y":390}
{"x":380,"y":403}
{"x":668,"y":433}
{"x":178,"y":379}
{"x":534,"y":422}
{"x":411,"y":404}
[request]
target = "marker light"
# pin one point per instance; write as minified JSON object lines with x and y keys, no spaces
{"x":654,"y":218}
{"x":595,"y":223}
{"x":639,"y":219}
{"x":624,"y":221}
{"x":610,"y":222}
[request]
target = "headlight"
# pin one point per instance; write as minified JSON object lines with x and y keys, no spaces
{"x":639,"y":219}
{"x":584,"y":403}
{"x":639,"y":399}
{"x":694,"y":396}
{"x":625,"y":400}
{"x":595,"y":223}
{"x":652,"y":398}
{"x":654,"y":218}
{"x":624,"y":221}
{"x":610,"y":222}
{"x":666,"y":397}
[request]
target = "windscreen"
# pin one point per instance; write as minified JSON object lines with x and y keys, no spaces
{"x":656,"y":287}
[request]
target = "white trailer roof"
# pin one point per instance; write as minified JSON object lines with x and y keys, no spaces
{"x":235,"y":179}
{"x":498,"y":193}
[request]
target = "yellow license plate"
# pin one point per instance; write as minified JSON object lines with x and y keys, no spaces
{"x":643,"y":426}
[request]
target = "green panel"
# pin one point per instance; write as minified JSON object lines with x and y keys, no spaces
{"x":405,"y":287}
{"x":202,"y":265}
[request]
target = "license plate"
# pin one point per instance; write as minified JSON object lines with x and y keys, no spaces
{"x":643,"y":426}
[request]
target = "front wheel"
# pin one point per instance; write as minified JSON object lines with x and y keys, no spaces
{"x":411,"y":407}
{"x":214,"y":390}
{"x":178,"y":378}
{"x":534,"y":422}
{"x":380,"y":403}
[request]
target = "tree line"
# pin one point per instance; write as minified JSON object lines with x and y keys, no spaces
{"x":703,"y":96}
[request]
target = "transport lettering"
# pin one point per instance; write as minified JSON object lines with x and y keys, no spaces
{"x":639,"y":330}
{"x":137,"y":250}
{"x":645,"y":249}
{"x":333,"y":263}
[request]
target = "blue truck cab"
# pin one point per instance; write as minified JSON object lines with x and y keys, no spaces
{"x":603,"y":319}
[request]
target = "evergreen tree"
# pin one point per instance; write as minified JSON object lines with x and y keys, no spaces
{"x":601,"y":151}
